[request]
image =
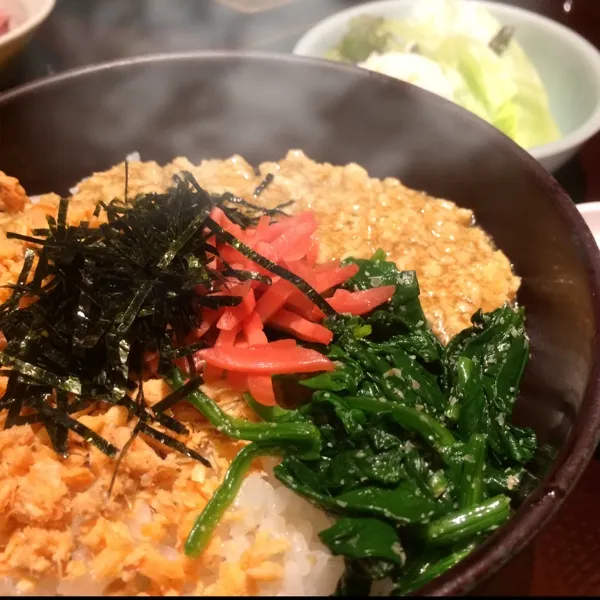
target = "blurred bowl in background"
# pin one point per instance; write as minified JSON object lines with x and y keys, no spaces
{"x":25,"y":17}
{"x":590,"y":211}
{"x":568,"y":65}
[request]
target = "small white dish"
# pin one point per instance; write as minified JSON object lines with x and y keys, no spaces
{"x":590,"y":211}
{"x":568,"y":65}
{"x":26,"y":16}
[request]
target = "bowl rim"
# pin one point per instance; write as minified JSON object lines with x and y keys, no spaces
{"x":586,"y":50}
{"x":569,"y":464}
{"x":30,"y":23}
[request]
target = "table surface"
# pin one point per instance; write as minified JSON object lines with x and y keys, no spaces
{"x":81,"y":32}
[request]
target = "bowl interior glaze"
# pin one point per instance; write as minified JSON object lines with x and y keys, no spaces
{"x":213,"y":105}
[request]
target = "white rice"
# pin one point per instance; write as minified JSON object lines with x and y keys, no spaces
{"x":267,"y":505}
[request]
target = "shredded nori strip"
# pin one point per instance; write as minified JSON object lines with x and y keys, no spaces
{"x":126,"y":192}
{"x":122,"y":454}
{"x":185,"y":350}
{"x":254,"y":256}
{"x":99,"y":299}
{"x":19,"y":289}
{"x":172,"y":443}
{"x":29,"y":419}
{"x":61,"y":433}
{"x":266,"y":182}
{"x":60,"y":418}
{"x":69,"y":384}
{"x":139,"y":410}
{"x":178,"y":395}
{"x":218,"y":301}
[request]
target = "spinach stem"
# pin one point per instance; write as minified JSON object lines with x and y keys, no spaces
{"x":305,"y":436}
{"x":224,"y":496}
{"x":427,"y":570}
{"x":471,"y":486}
{"x":467,"y":523}
{"x":430,"y":429}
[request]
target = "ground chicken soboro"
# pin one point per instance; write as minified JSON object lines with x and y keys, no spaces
{"x":459,"y":269}
{"x":56,"y":523}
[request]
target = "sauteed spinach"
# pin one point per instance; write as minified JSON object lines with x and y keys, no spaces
{"x":407,"y":444}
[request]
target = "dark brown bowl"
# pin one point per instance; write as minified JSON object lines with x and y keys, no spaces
{"x":212,"y":105}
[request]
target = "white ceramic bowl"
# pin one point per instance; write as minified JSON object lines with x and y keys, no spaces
{"x":590,"y":211}
{"x":568,"y":65}
{"x":26,"y":16}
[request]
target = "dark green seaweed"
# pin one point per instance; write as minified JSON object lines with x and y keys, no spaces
{"x":103,"y":297}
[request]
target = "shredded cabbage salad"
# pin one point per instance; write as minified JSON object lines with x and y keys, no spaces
{"x":444,"y":47}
